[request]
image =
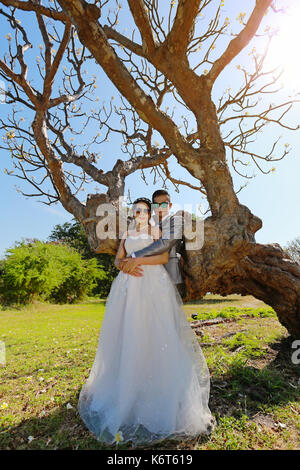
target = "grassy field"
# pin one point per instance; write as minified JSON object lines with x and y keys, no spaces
{"x":255,"y":387}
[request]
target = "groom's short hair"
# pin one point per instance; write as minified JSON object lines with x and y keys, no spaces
{"x":160,"y":192}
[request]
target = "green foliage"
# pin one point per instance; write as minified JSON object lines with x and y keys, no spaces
{"x":249,"y":342}
{"x":235,"y":312}
{"x":48,"y":271}
{"x":266,"y":385}
{"x":73,"y":234}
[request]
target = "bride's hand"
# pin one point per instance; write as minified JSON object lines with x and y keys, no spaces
{"x":138,"y":272}
{"x":129,"y":265}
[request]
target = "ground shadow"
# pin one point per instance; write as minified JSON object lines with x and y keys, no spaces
{"x":254,"y":388}
{"x":63,"y":429}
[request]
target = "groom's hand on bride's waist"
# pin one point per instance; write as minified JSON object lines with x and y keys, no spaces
{"x":131,"y":266}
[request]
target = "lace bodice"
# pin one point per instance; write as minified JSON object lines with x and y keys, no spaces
{"x":134,"y":243}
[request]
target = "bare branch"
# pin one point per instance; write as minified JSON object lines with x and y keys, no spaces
{"x":180,"y":34}
{"x":181,"y":182}
{"x":139,"y":13}
{"x":95,"y":39}
{"x":237,"y":44}
{"x":38,"y":8}
{"x":123,"y":40}
{"x":52,"y":69}
{"x":20,"y":80}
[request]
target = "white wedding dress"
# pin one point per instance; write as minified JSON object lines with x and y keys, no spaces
{"x":149,"y":380}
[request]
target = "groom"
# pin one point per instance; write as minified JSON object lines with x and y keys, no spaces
{"x":171,"y":240}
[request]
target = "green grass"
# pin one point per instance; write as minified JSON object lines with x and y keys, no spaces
{"x":50,"y":349}
{"x":235,"y":312}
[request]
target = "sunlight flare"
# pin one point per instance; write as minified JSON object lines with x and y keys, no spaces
{"x":283,"y":49}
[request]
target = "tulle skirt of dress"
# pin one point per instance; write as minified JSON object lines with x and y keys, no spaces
{"x":149,"y":380}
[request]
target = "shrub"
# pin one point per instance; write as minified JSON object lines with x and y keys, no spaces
{"x":48,"y":271}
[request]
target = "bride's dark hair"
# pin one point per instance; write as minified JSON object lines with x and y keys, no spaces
{"x":131,"y":218}
{"x":142,"y":199}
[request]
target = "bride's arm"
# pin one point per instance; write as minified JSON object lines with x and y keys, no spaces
{"x":121,"y":253}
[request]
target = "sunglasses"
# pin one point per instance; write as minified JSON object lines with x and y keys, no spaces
{"x":161,"y":204}
{"x":139,"y":211}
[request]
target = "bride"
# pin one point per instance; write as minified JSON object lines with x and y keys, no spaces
{"x":149,"y":380}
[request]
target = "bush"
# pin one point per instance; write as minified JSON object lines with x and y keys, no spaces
{"x":47,"y":271}
{"x":73,"y":234}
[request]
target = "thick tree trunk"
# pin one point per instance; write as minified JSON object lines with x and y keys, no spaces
{"x":231,"y":262}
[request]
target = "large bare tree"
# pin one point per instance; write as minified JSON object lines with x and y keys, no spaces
{"x":166,"y":60}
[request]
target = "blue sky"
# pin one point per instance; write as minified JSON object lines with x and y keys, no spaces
{"x":273,"y":197}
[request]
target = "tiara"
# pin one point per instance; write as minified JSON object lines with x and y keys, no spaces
{"x":142,"y":199}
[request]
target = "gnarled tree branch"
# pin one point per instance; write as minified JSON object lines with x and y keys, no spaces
{"x":237,"y":44}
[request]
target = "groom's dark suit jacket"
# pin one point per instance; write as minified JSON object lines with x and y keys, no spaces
{"x":171,"y":241}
